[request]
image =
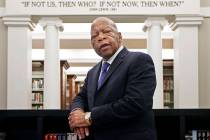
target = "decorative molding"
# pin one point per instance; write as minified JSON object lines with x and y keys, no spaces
{"x":126,"y":35}
{"x":19,"y":22}
{"x":186,"y":21}
{"x":154,"y":21}
{"x":55,"y":21}
{"x":205,"y":11}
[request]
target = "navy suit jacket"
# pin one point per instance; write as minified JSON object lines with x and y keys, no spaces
{"x":122,"y":108}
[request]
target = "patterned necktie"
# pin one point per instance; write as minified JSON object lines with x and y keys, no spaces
{"x":103,"y":73}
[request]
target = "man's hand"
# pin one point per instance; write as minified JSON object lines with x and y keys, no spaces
{"x":82,"y":132}
{"x":77,"y":119}
{"x":78,"y":123}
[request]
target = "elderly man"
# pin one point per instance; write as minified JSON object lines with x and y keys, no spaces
{"x":116,"y":100}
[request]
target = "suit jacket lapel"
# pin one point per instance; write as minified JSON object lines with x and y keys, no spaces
{"x":94,"y":84}
{"x":118,"y":60}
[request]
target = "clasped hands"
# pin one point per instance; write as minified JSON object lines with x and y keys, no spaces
{"x":78,"y":123}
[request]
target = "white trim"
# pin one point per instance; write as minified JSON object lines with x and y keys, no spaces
{"x":186,"y":21}
{"x":89,"y":55}
{"x":205,"y":11}
{"x":82,"y":31}
{"x":85,"y":35}
{"x":2,"y":11}
{"x":19,"y":21}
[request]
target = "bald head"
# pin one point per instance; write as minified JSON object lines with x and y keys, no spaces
{"x":106,"y":20}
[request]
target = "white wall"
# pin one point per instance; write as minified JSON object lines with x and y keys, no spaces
{"x":3,"y":65}
{"x":204,"y":60}
{"x":204,"y":64}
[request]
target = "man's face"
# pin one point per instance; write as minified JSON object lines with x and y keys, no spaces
{"x":105,"y":39}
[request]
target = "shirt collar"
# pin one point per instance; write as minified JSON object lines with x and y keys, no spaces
{"x":111,"y":59}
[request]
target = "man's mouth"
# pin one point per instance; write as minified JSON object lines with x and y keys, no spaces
{"x":103,"y":46}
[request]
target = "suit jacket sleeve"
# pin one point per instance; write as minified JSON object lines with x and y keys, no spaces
{"x":138,"y":97}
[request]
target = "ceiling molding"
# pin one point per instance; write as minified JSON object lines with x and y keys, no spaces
{"x":126,"y":35}
{"x":86,"y":44}
{"x":90,"y":18}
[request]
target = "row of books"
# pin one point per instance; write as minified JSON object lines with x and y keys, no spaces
{"x":60,"y":136}
{"x":168,"y":83}
{"x":37,"y":97}
{"x":37,"y":106}
{"x":168,"y":71}
{"x":198,"y":135}
{"x":168,"y":97}
{"x":37,"y":84}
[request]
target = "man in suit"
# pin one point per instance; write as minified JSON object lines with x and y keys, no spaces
{"x":116,"y":100}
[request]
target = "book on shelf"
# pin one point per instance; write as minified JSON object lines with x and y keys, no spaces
{"x":37,"y":98}
{"x":198,"y":135}
{"x":168,"y":97}
{"x":60,"y":136}
{"x":37,"y":90}
{"x":168,"y":92}
{"x":37,"y":84}
{"x":168,"y":84}
{"x":37,"y":106}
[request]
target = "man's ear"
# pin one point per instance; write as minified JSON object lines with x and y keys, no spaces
{"x":120,"y":36}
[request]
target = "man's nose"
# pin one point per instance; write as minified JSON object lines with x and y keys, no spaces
{"x":101,"y":36}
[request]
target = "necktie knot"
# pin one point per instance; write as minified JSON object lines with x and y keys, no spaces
{"x":105,"y":66}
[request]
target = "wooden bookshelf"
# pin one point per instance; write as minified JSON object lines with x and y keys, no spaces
{"x":78,"y":86}
{"x":70,"y":90}
{"x":37,"y":85}
{"x":168,"y":84}
{"x":171,"y":124}
{"x":64,"y":65}
{"x":37,"y":90}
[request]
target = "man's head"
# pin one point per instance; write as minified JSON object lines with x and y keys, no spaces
{"x":105,"y":37}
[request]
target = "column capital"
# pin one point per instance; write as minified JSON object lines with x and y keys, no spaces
{"x":186,"y":21}
{"x":53,"y":21}
{"x":19,"y":21}
{"x":154,"y":21}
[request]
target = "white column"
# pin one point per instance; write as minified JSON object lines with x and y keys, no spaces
{"x":52,"y":62}
{"x":19,"y":62}
{"x":186,"y":61}
{"x":154,"y":26}
{"x":3,"y":64}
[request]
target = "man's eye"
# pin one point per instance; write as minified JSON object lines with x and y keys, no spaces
{"x":107,"y":31}
{"x":93,"y":36}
